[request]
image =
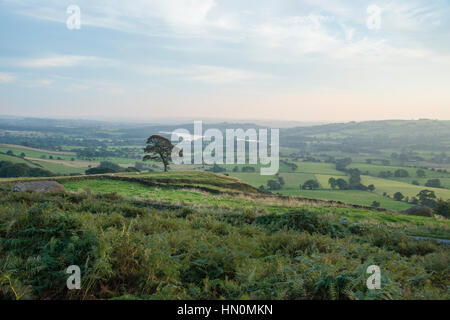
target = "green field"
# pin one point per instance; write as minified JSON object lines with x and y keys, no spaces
{"x":61,"y":169}
{"x":317,"y":168}
{"x":374,"y":170}
{"x":305,"y":171}
{"x":294,"y":180}
{"x":445,"y":182}
{"x":35,"y":154}
{"x":13,"y":159}
{"x":391,"y":187}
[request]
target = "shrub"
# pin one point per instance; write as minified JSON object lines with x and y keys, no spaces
{"x":398,"y":196}
{"x":301,"y":220}
{"x":273,"y":185}
{"x":433,"y":183}
{"x":401,"y":173}
{"x":443,"y":208}
{"x":422,"y":211}
{"x":99,"y":170}
{"x":311,"y":184}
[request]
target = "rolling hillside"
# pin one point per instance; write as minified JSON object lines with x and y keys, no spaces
{"x":197,"y":235}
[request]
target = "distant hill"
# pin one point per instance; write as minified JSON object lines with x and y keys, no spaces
{"x":372,"y":135}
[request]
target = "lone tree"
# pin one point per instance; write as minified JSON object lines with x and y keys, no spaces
{"x":160,"y":149}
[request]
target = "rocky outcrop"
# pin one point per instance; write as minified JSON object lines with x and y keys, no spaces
{"x":39,"y":186}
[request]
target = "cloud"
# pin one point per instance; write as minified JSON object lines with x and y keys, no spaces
{"x":7,"y":77}
{"x":207,"y":74}
{"x":306,"y":34}
{"x":152,"y":17}
{"x":58,"y":61}
{"x":39,"y":83}
{"x":413,"y":15}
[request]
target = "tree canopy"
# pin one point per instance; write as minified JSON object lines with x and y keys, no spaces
{"x":160,"y":149}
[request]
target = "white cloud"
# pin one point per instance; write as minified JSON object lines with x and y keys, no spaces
{"x":207,"y":74}
{"x":7,"y":77}
{"x":77,"y":87}
{"x":220,"y":75}
{"x":412,"y":15}
{"x":306,"y":34}
{"x":39,"y":83}
{"x":56,"y":61}
{"x":152,"y":17}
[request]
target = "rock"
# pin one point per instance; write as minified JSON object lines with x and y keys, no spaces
{"x":39,"y":186}
{"x":422,"y":211}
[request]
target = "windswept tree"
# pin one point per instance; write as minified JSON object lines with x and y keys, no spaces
{"x":160,"y":149}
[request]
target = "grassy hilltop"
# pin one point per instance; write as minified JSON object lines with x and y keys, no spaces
{"x":198,"y":235}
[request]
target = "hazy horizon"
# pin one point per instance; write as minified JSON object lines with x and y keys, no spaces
{"x":305,"y":61}
{"x":184,"y":120}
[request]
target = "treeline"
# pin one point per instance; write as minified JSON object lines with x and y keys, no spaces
{"x":110,"y":167}
{"x":17,"y":170}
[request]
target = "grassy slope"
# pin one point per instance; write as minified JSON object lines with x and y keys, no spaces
{"x":259,"y":202}
{"x":14,"y":159}
{"x":212,"y":246}
{"x":129,"y":250}
{"x":36,"y":153}
{"x":362,"y":198}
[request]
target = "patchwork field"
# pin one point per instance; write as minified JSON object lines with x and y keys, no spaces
{"x":391,"y":187}
{"x":374,"y":170}
{"x":67,"y":164}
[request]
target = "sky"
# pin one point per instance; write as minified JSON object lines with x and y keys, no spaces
{"x":296,"y":60}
